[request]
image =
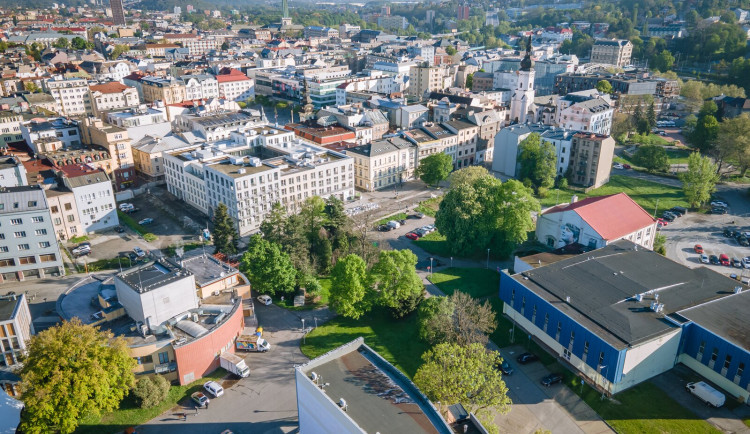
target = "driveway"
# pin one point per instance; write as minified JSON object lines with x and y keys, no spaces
{"x":266,"y":401}
{"x":555,"y":408}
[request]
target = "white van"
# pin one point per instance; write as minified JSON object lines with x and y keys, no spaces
{"x":214,"y":388}
{"x":393,"y":224}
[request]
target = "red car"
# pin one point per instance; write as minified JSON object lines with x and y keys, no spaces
{"x":412,"y":236}
{"x":661,"y":222}
{"x":724,"y":260}
{"x":626,"y":166}
{"x":698,"y":248}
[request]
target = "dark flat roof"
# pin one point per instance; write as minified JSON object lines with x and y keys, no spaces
{"x":7,"y":307}
{"x":152,"y":275}
{"x":601,"y":287}
{"x":726,"y":317}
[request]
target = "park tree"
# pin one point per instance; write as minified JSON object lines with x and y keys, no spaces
{"x":453,"y":373}
{"x":435,"y":168}
{"x":622,"y":125}
{"x":457,"y":318}
{"x":470,"y":81}
{"x":72,"y":370}
{"x":700,"y":179}
{"x":269,"y":268}
{"x":396,"y":283}
{"x":225,"y":234}
{"x":651,"y":116}
{"x":80,"y":44}
{"x":652,"y":158}
{"x":150,"y":391}
{"x":62,"y":42}
{"x":350,"y":288}
{"x":733,"y":143}
{"x":703,"y":135}
{"x":538,"y":161}
{"x":467,"y":175}
{"x":604,"y":86}
{"x":118,"y":50}
{"x":663,"y":61}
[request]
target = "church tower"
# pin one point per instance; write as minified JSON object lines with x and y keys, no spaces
{"x":523,"y":96}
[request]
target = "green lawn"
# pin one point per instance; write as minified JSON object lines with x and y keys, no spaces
{"x":645,"y":193}
{"x":430,"y":206}
{"x":131,"y":223}
{"x":435,"y":243}
{"x":477,"y":282}
{"x":384,"y":220}
{"x":678,"y":156}
{"x":642,"y":409}
{"x":325,"y":290}
{"x":128,"y":415}
{"x":396,"y":340}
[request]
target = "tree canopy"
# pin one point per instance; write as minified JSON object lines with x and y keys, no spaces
{"x":269,"y":269}
{"x":72,"y":371}
{"x":456,"y":318}
{"x":225,"y":235}
{"x":394,"y":278}
{"x":435,"y":168}
{"x":604,"y":86}
{"x":653,"y":158}
{"x":700,"y":179}
{"x":538,"y":160}
{"x":350,"y":288}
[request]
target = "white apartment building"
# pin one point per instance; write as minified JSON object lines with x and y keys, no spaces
{"x":112,"y":96}
{"x":51,"y":135}
{"x":10,"y":128}
{"x":93,"y":194}
{"x":591,"y":116}
{"x":12,"y":172}
{"x":201,"y":86}
{"x":249,"y":186}
{"x":467,"y":139}
{"x":201,"y":46}
{"x":141,"y":121}
{"x":65,"y":218}
{"x":236,"y":86}
{"x":71,"y":95}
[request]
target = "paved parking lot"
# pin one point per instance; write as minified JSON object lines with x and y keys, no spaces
{"x":266,"y":401}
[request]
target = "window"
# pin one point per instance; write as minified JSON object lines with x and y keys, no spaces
{"x":71,"y":218}
{"x":164,"y":357}
{"x":533,"y":314}
{"x":145,"y":359}
{"x":585,"y":348}
{"x":572,"y":338}
{"x":546,"y":321}
{"x":23,"y":247}
{"x":41,"y":231}
{"x":601,"y":358}
{"x":23,"y":260}
{"x":68,"y":207}
{"x":702,"y":347}
{"x":54,"y":210}
{"x":19,"y":234}
{"x":37,"y":219}
{"x":32,"y":203}
{"x":715,"y":354}
{"x":559,"y":329}
{"x":740,"y":370}
{"x":7,"y":262}
{"x":4,"y":249}
{"x":47,"y":258}
{"x":512,"y":296}
{"x":57,"y":221}
{"x":16,"y":221}
{"x":727,"y":361}
{"x":523,"y":304}
{"x":44,"y":244}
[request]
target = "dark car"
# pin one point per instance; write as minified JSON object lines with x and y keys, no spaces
{"x":119,"y":229}
{"x":718,"y":210}
{"x":743,"y":241}
{"x":679,"y":210}
{"x":728,"y":233}
{"x":402,"y":221}
{"x":133,"y":257}
{"x":527,"y":358}
{"x":626,"y":166}
{"x":736,"y":263}
{"x":714,"y":260}
{"x":504,"y":367}
{"x":384,"y":228}
{"x":551,"y":379}
{"x":668,"y":217}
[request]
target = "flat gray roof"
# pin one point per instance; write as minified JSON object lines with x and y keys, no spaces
{"x":206,"y":268}
{"x":598,"y":289}
{"x":7,"y":307}
{"x":152,"y":275}
{"x":379,"y":398}
{"x":726,"y":317}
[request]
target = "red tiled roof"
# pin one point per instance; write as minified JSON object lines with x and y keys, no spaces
{"x":611,"y":216}
{"x":75,"y":170}
{"x":111,"y":87}
{"x":233,"y":75}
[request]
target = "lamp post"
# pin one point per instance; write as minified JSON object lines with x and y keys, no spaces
{"x":303,"y":331}
{"x":604,"y":377}
{"x":488,"y":258}
{"x":451,"y":261}
{"x":430,"y":267}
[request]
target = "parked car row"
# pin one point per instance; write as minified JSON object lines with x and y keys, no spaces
{"x":722,"y":259}
{"x":420,"y":232}
{"x":742,"y":238}
{"x":620,"y":166}
{"x":672,"y":214}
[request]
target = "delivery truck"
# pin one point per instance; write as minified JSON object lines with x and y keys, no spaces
{"x":706,"y":393}
{"x":252,"y":342}
{"x":234,"y":364}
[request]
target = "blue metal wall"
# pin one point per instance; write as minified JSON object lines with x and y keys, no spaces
{"x":613,"y":359}
{"x":692,"y":337}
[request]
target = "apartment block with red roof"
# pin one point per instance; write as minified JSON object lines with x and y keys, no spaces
{"x":596,"y":222}
{"x":112,"y":96}
{"x":234,"y":85}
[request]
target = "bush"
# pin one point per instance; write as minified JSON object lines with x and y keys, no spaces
{"x":561,"y":182}
{"x":150,"y":391}
{"x":76,"y":240}
{"x":542,"y":192}
{"x":149,"y":237}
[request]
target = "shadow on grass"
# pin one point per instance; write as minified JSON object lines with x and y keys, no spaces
{"x":397,"y":340}
{"x":477,"y":282}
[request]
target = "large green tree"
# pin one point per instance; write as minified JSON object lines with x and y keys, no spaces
{"x":62,"y":42}
{"x":538,"y":161}
{"x":465,"y":374}
{"x":700,"y":179}
{"x":269,"y":269}
{"x":435,"y":319}
{"x":396,"y":283}
{"x":485,"y":212}
{"x":225,"y":234}
{"x":653,"y":158}
{"x":458,"y":318}
{"x":663,"y":61}
{"x":350,"y":288}
{"x":435,"y":168}
{"x":733,"y":142}
{"x":704,"y":134}
{"x":604,"y":86}
{"x":72,"y":370}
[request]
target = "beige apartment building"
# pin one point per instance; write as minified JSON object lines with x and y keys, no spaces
{"x":467,"y":140}
{"x":424,"y":79}
{"x":591,"y":159}
{"x":62,"y":205}
{"x":112,"y":96}
{"x":615,"y":52}
{"x":383,"y":163}
{"x":167,"y":90}
{"x":114,"y":139}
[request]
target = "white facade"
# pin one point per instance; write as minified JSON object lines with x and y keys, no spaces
{"x":508,"y":140}
{"x":522,"y":100}
{"x":238,"y":90}
{"x":158,"y":302}
{"x":71,"y":95}
{"x":200,"y":87}
{"x":592,"y":116}
{"x":116,"y":99}
{"x":95,"y":201}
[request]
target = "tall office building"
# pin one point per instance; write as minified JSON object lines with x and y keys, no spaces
{"x":463,"y":12}
{"x":118,"y":13}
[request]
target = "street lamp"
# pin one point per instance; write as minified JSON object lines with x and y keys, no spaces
{"x":451,"y":261}
{"x":604,"y":377}
{"x":303,"y":331}
{"x":488,"y":259}
{"x":430,"y":267}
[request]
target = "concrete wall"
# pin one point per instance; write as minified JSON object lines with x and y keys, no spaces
{"x":97,"y":201}
{"x":317,"y":413}
{"x":160,"y":304}
{"x":650,"y":359}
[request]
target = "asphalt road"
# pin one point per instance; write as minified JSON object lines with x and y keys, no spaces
{"x":266,"y":401}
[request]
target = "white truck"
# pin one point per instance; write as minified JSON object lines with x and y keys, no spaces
{"x":234,"y":364}
{"x":706,"y":393}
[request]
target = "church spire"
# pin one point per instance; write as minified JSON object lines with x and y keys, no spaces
{"x":527,"y":63}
